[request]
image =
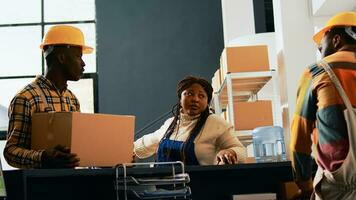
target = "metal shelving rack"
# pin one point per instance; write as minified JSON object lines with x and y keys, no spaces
{"x":242,"y":86}
{"x":170,"y":185}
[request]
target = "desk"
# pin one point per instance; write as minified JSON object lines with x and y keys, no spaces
{"x":207,"y":182}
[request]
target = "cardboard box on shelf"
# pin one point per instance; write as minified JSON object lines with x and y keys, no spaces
{"x":249,"y":115}
{"x":244,"y":59}
{"x":97,"y":139}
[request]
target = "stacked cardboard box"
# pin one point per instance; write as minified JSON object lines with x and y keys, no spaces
{"x":244,"y":59}
{"x":249,"y":115}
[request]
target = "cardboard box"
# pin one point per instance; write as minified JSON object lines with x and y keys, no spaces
{"x":249,"y":115}
{"x":244,"y":59}
{"x":97,"y":139}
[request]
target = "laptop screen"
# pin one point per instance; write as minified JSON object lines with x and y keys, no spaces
{"x":2,"y":183}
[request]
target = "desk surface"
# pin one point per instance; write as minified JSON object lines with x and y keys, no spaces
{"x":207,"y":182}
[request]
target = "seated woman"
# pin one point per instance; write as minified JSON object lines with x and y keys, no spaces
{"x":194,"y":135}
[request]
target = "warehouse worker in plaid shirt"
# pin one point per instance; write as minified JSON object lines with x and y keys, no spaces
{"x":319,"y":109}
{"x":62,"y":47}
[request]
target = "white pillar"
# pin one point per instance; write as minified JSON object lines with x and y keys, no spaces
{"x":238,"y":19}
{"x":295,"y":50}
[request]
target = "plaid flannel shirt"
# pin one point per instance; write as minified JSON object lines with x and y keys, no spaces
{"x":28,"y":101}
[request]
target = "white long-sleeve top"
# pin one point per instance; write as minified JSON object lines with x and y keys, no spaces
{"x":215,"y":135}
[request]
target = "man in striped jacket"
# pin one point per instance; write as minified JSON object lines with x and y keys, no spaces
{"x":319,"y":116}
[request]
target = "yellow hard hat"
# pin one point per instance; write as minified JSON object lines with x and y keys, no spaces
{"x":341,"y":19}
{"x":64,"y":34}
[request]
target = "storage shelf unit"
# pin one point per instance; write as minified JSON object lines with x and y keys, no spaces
{"x":240,"y":87}
{"x":245,"y":139}
{"x":244,"y":85}
{"x":246,"y":89}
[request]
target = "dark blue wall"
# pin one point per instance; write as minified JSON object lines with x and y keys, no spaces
{"x":263,"y":15}
{"x":146,"y":46}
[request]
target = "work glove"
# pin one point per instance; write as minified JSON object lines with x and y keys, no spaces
{"x":59,"y":157}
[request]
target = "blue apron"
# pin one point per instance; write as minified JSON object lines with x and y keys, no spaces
{"x":172,"y":150}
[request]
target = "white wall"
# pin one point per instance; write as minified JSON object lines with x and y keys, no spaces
{"x":238,"y":18}
{"x":295,"y":49}
{"x":330,"y":7}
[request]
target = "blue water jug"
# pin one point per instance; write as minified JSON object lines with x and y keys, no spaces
{"x":268,"y":144}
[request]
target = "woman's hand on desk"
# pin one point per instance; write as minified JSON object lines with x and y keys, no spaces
{"x":226,"y":156}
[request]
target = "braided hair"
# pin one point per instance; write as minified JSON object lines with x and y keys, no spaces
{"x":185,"y":83}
